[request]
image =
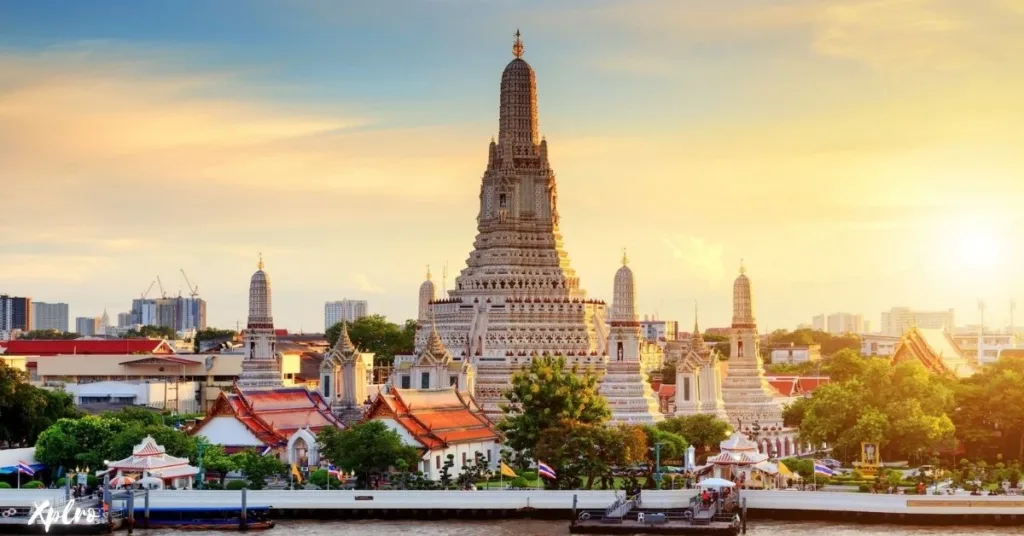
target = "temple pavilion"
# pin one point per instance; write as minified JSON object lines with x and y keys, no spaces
{"x":936,"y":350}
{"x":150,"y":461}
{"x":741,"y":461}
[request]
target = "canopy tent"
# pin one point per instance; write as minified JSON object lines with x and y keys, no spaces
{"x":9,"y":459}
{"x":716,"y":483}
{"x":121,"y":481}
{"x":151,"y":482}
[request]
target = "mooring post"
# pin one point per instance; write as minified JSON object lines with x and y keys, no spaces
{"x":574,"y":497}
{"x":146,"y":499}
{"x":243,"y":522}
{"x":743,"y":515}
{"x":131,"y":511}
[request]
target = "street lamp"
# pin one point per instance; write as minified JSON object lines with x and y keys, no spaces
{"x":657,"y":464}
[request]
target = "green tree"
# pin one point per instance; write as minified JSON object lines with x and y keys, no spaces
{"x":845,"y":365}
{"x":77,"y":442}
{"x":581,"y":453}
{"x":151,"y":332}
{"x":214,"y":458}
{"x":48,"y":334}
{"x":544,"y":395}
{"x":207,"y":334}
{"x":368,"y":448}
{"x":375,"y":334}
{"x":257,"y":469}
{"x":703,"y":431}
{"x":989,"y":413}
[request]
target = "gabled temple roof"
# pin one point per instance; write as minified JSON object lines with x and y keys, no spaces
{"x":148,"y":456}
{"x":435,"y":418}
{"x":936,"y":350}
{"x":272,"y":415}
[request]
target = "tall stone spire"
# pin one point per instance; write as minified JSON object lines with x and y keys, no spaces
{"x":742,"y":301}
{"x":260,"y":367}
{"x":624,"y":293}
{"x":697,"y":340}
{"x":428,"y":293}
{"x":518,"y":111}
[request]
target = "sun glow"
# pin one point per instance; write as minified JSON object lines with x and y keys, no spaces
{"x":980,"y":248}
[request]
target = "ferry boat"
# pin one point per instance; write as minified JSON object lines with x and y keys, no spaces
{"x":722,"y":516}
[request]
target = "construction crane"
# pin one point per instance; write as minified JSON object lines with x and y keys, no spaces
{"x":192,"y":290}
{"x":161,"y":285}
{"x":148,"y":290}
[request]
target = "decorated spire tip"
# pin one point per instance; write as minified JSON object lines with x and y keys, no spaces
{"x":625,"y":259}
{"x":428,"y":272}
{"x":259,"y":265}
{"x":743,"y":267}
{"x":517,"y":47}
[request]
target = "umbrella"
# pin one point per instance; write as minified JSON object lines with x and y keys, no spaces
{"x":151,"y":482}
{"x":121,"y":481}
{"x":716,"y":483}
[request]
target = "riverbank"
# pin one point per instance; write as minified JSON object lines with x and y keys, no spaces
{"x":544,"y":504}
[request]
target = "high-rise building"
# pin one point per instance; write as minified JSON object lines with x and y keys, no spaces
{"x":87,"y":326}
{"x":840,"y":323}
{"x":344,"y":311}
{"x":179,"y":314}
{"x":898,"y":320}
{"x":818,"y":322}
{"x":50,"y":316}
{"x":15,"y":313}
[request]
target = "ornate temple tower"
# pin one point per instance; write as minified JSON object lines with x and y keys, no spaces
{"x":748,"y":396}
{"x":344,"y":376}
{"x":260,"y":368}
{"x":624,"y":334}
{"x":699,"y":378}
{"x":428,"y":293}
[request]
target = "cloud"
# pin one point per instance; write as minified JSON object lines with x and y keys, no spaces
{"x":363,"y":284}
{"x":901,"y":35}
{"x":703,"y":259}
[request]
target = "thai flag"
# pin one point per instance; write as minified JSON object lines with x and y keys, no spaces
{"x":266,"y":450}
{"x":25,"y":468}
{"x":822,"y":469}
{"x":545,"y":471}
{"x":333,"y":471}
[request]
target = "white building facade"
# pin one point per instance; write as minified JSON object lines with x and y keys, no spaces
{"x":344,"y":311}
{"x":50,"y":316}
{"x":899,"y":320}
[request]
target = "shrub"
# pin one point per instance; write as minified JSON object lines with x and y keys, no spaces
{"x":236,"y":484}
{"x":92,"y":481}
{"x":519,"y":482}
{"x":212,"y":485}
{"x":857,"y":475}
{"x":529,"y":475}
{"x":61,"y":482}
{"x":5,"y":485}
{"x":864,"y":488}
{"x":33,"y":484}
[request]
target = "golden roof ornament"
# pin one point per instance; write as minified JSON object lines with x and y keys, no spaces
{"x":428,"y":272}
{"x":259,"y":265}
{"x":625,"y":259}
{"x":743,"y":267}
{"x":517,"y":47}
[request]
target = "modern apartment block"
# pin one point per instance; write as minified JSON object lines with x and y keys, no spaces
{"x":179,"y":314}
{"x":840,"y":323}
{"x":87,"y":326}
{"x":898,"y":320}
{"x":15,"y":313}
{"x":344,"y":311}
{"x":50,"y":316}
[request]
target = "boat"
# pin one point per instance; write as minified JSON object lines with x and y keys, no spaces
{"x":211,"y":524}
{"x":722,"y":516}
{"x":257,"y":518}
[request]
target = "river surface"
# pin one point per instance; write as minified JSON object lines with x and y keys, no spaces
{"x":529,"y":527}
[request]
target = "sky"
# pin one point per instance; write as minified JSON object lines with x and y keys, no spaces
{"x":856,"y":154}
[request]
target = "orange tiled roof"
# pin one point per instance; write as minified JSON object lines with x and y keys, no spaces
{"x":435,"y":418}
{"x":667,"y":391}
{"x":272,"y":415}
{"x":785,"y":386}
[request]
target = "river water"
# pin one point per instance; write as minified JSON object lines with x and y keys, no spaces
{"x":528,"y":527}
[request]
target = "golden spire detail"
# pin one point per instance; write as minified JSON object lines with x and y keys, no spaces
{"x":428,"y":272}
{"x":743,"y":267}
{"x":259,"y":265}
{"x":517,"y":47}
{"x":625,"y":259}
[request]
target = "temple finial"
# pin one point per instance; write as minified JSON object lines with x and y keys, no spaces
{"x":743,"y":267}
{"x":259,"y":265}
{"x":625,"y":259}
{"x":517,"y":47}
{"x":428,"y":272}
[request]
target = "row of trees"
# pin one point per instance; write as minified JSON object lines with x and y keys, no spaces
{"x":25,"y":411}
{"x":913,"y":414}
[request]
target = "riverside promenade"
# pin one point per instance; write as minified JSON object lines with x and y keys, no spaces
{"x":796,"y":505}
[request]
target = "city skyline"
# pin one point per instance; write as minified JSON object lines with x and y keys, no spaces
{"x":692,"y":135}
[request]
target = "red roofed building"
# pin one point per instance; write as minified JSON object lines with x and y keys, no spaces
{"x":667,"y":398}
{"x":794,"y":386}
{"x":41,"y":347}
{"x":281,"y":420}
{"x":439,"y":422}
